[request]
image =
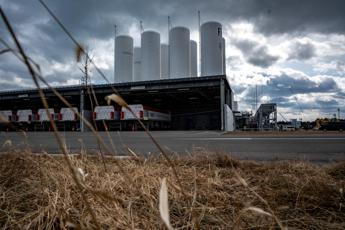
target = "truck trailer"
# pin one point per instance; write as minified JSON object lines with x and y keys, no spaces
{"x":106,"y":117}
{"x":153,"y":118}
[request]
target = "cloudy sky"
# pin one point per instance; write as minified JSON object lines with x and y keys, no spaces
{"x":291,"y":51}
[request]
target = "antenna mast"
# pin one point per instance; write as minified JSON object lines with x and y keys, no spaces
{"x":199,"y":24}
{"x":169,"y":23}
{"x":141,"y":27}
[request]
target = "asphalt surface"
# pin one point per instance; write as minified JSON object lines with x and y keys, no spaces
{"x":315,"y":148}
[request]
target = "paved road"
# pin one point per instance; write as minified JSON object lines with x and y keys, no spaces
{"x":316,"y":148}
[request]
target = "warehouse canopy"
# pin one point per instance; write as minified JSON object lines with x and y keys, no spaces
{"x":192,"y":102}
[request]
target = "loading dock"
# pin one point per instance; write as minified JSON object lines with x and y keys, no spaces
{"x":194,"y":103}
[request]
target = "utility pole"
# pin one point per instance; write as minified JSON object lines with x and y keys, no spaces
{"x":114,"y":51}
{"x":256,"y":97}
{"x":84,"y":83}
{"x":169,"y":27}
{"x":199,"y":24}
{"x":338,"y":113}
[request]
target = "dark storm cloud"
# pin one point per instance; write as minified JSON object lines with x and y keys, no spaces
{"x":233,"y":62}
{"x":96,"y":18}
{"x":340,"y":66}
{"x":318,"y":104}
{"x":261,"y":57}
{"x":245,"y":45}
{"x":302,"y":51}
{"x":299,"y":105}
{"x":340,"y":96}
{"x":89,"y":19}
{"x":278,"y":16}
{"x":294,"y":16}
{"x":283,"y":89}
{"x":8,"y":86}
{"x":11,"y":67}
{"x":12,"y":81}
{"x":288,"y":85}
{"x":255,"y":53}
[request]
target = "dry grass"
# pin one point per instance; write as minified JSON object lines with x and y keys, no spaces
{"x":37,"y":192}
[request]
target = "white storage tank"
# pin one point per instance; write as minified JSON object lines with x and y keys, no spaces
{"x":164,"y":61}
{"x":123,"y":59}
{"x":179,"y":41}
{"x":150,"y":56}
{"x":211,"y":49}
{"x":137,"y":64}
{"x":193,"y":59}
{"x":224,"y":55}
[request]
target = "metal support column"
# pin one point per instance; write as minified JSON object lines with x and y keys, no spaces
{"x":82,"y":102}
{"x":222,"y":102}
{"x":275,"y":120}
{"x":228,"y":98}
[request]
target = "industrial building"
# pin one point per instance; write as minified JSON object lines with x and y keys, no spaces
{"x":159,"y":79}
{"x":193,"y":104}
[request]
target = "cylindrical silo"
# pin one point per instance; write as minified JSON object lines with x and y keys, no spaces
{"x":164,"y":61}
{"x":123,"y":59}
{"x":193,"y":59}
{"x":150,"y":56}
{"x":211,"y":49}
{"x":137,"y":64}
{"x":224,"y":55}
{"x":179,"y":41}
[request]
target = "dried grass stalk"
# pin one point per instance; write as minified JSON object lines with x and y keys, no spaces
{"x":38,"y":192}
{"x":117,"y":99}
{"x":164,"y":204}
